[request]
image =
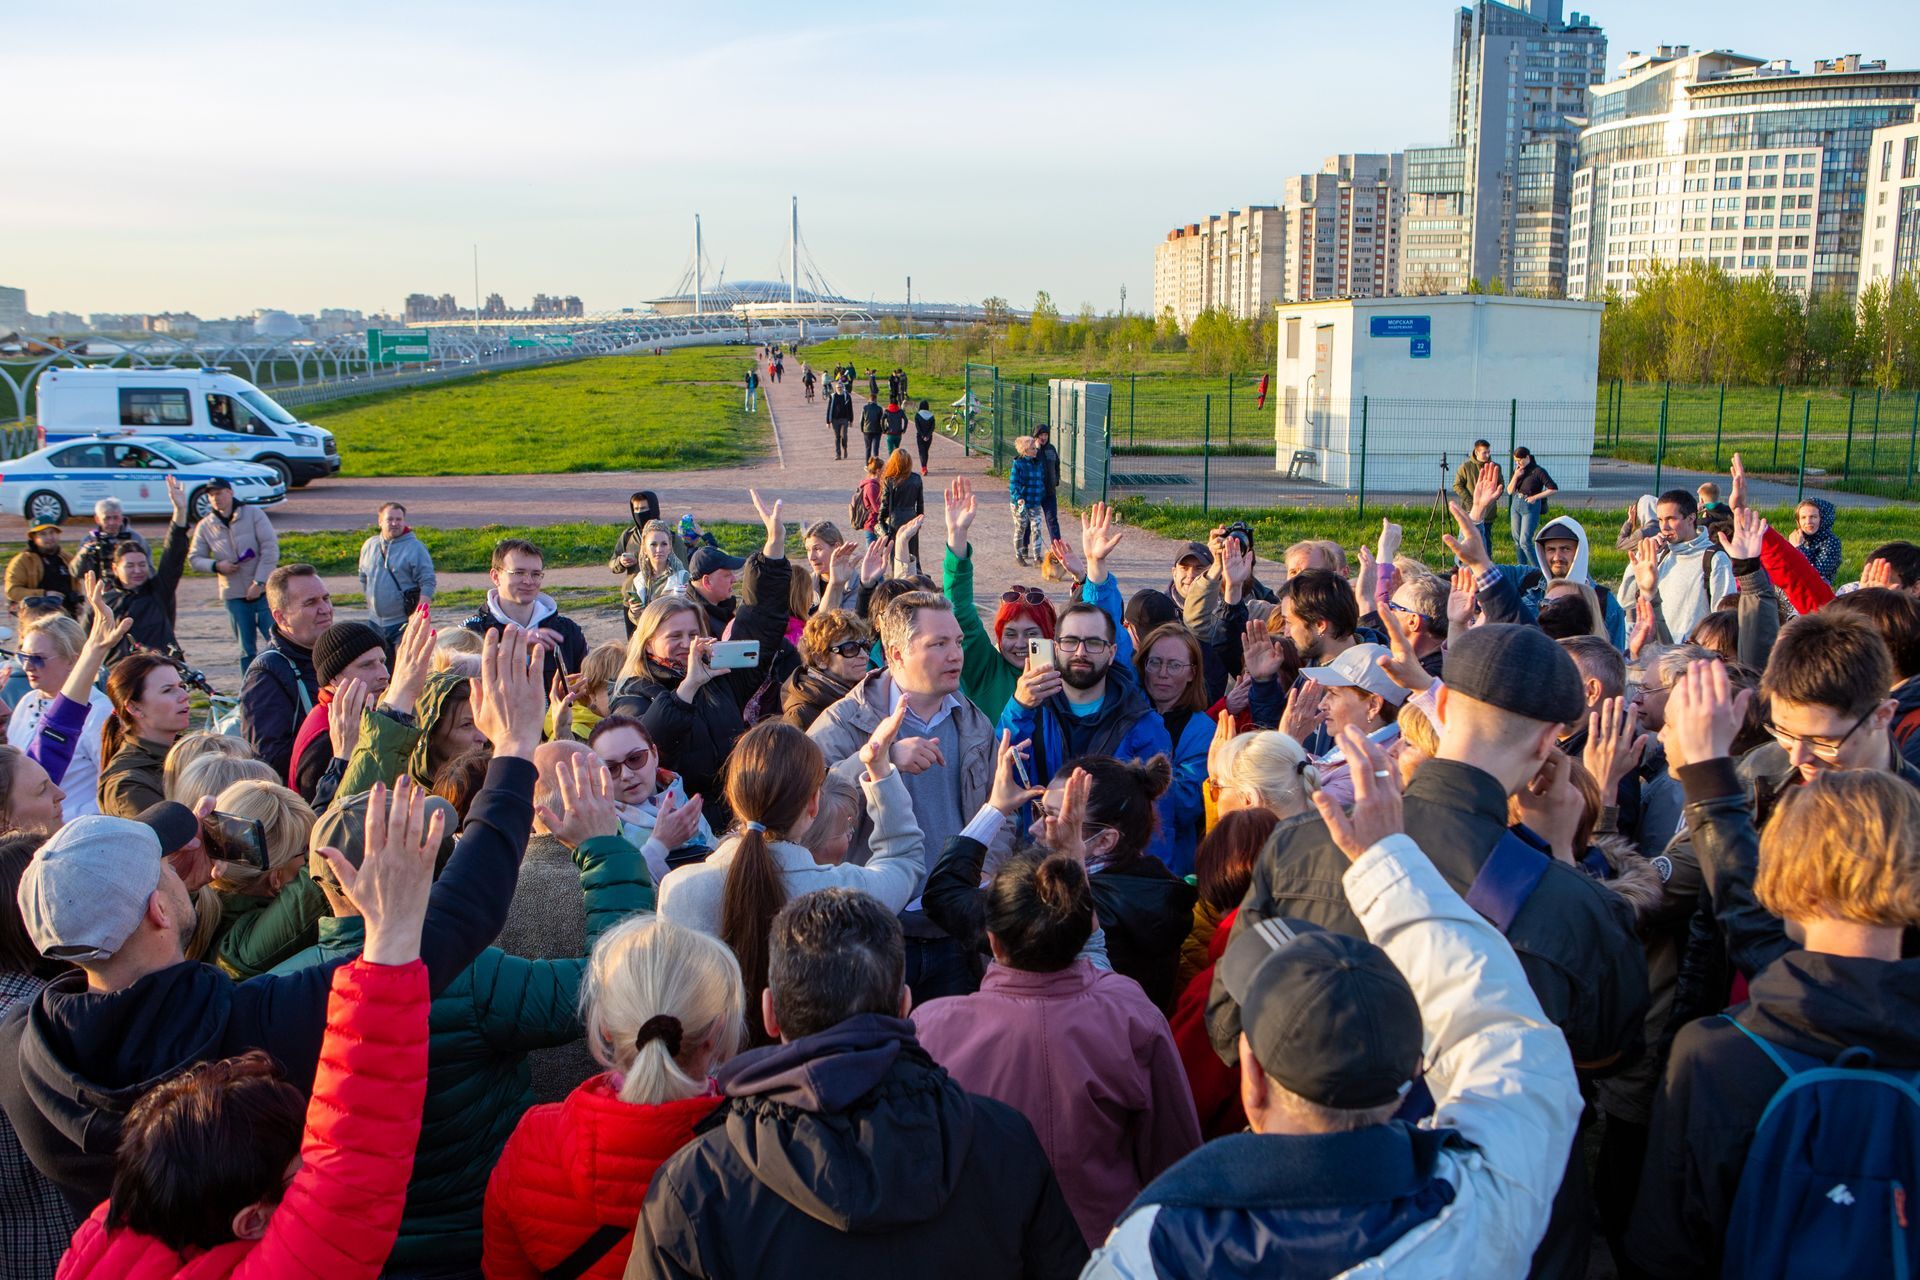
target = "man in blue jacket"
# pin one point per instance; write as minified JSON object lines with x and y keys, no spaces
{"x":1084,"y":703}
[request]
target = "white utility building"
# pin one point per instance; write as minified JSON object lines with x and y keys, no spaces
{"x":1407,"y":381}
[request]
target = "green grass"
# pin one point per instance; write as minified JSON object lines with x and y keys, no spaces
{"x":1276,"y":529}
{"x":617,"y":413}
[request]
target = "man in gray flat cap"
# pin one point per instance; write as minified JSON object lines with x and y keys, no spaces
{"x":1507,"y":691}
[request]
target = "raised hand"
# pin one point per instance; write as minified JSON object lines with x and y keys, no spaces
{"x":1063,"y":552}
{"x":1462,"y":593}
{"x":584,"y":796}
{"x":177,"y":495}
{"x":1376,"y":798}
{"x":1100,"y":534}
{"x":343,"y":716}
{"x":961,"y":509}
{"x":412,"y":662}
{"x":1704,"y":714}
{"x":1467,"y":547}
{"x":1364,"y":581}
{"x":1010,"y":794}
{"x":1306,"y":704}
{"x":1239,"y":697}
{"x":1487,"y":489}
{"x":104,"y":631}
{"x":842,"y":566}
{"x":776,"y":547}
{"x":873,"y":562}
{"x":1749,"y":531}
{"x":509,"y":698}
{"x":1643,"y":628}
{"x":1389,"y":544}
{"x":876,"y":751}
{"x":677,"y":821}
{"x":1260,"y":653}
{"x":1237,"y":569}
{"x":1737,"y":490}
{"x":562,"y":694}
{"x":1402,"y":665}
{"x":1645,"y":559}
{"x":1878,"y":573}
{"x":1065,"y":831}
{"x":1614,"y":745}
{"x":391,"y":886}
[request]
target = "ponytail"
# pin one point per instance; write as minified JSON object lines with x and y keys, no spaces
{"x":1040,"y":909}
{"x":773,"y":775}
{"x":125,"y":685}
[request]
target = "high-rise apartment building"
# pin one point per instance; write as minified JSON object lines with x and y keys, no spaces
{"x":13,"y":308}
{"x":1342,"y":229}
{"x":1493,"y":203}
{"x":1230,"y":262}
{"x":1891,"y":237}
{"x":1733,"y":160}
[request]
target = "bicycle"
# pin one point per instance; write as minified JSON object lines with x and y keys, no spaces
{"x":960,"y":423}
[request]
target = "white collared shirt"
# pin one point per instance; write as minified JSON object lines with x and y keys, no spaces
{"x":948,"y":705}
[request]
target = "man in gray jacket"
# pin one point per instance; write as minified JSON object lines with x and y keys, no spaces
{"x":396,"y":572}
{"x":945,"y":752}
{"x":237,"y":543}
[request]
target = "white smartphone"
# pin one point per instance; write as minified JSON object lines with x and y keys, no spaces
{"x":733,"y":655}
{"x":1041,"y":649}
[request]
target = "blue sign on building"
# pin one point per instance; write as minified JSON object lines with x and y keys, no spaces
{"x":1420,"y":348}
{"x":1399,"y":326}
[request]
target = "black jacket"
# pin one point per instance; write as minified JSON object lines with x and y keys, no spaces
{"x":895,"y":420}
{"x":1719,"y":1082}
{"x":870,"y":416}
{"x":851,"y":1153}
{"x":271,"y":707}
{"x":573,"y":641}
{"x":1050,"y":467}
{"x":900,"y":502}
{"x":806,"y":694}
{"x":151,"y":604}
{"x":839,"y":407}
{"x":1144,"y":909}
{"x":85,"y":1057}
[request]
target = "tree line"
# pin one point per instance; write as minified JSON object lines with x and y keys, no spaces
{"x":1692,"y":322}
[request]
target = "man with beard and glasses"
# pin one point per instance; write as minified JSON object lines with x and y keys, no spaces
{"x":1083,"y":703}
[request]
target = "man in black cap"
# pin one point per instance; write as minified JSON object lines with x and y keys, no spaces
{"x":710,"y":578}
{"x":1334,"y":1030}
{"x":1507,"y":690}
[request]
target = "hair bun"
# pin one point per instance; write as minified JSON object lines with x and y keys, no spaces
{"x":1156,"y":775}
{"x":1060,"y":882}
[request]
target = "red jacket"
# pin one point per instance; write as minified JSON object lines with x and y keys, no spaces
{"x":573,"y":1167}
{"x":1794,"y":574}
{"x":1216,"y":1086}
{"x":341,"y":1215}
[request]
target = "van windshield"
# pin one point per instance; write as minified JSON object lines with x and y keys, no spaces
{"x":263,"y":404}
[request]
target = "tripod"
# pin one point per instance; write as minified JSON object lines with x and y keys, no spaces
{"x":1438,"y":512}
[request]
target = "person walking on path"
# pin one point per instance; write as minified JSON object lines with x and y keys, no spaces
{"x":1026,"y":493}
{"x":238,"y":544}
{"x":839,"y":417}
{"x":753,"y":389}
{"x":895,"y":424}
{"x":396,"y":572}
{"x":924,"y":426}
{"x":871,"y":418}
{"x":1050,"y":475}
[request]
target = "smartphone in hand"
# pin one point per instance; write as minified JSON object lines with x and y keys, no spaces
{"x":734,"y":655}
{"x":1041,"y":649}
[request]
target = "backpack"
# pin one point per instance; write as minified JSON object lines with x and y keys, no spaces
{"x":1826,"y":1186}
{"x":864,"y":510}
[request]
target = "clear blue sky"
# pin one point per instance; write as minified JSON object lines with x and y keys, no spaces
{"x":216,"y":158}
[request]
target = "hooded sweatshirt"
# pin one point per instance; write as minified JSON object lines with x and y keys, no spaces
{"x":572,"y":650}
{"x":389,"y":569}
{"x":851,"y":1152}
{"x":1534,"y":586}
{"x":1822,"y":549}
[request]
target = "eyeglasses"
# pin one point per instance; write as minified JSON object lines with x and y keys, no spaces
{"x":849,"y":649}
{"x":1397,"y":607}
{"x":1093,"y":646}
{"x":526,"y":575}
{"x":1040,"y":808}
{"x":1017,"y":594}
{"x":1168,"y":666}
{"x":1820,"y":747}
{"x":633,"y":763}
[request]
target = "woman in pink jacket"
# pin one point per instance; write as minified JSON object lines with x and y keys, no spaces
{"x":1077,"y":1049}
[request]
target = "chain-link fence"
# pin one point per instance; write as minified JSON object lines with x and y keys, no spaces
{"x":1860,"y":439}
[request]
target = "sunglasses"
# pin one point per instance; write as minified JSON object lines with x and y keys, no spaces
{"x":633,"y":763}
{"x":1017,"y":594}
{"x":849,"y":649}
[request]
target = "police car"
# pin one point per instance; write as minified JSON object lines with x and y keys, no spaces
{"x":65,"y":479}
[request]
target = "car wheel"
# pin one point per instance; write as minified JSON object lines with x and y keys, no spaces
{"x":280,"y":469}
{"x":46,"y":507}
{"x":199,"y":504}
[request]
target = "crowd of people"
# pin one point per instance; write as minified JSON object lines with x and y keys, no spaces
{"x":1327,"y":914}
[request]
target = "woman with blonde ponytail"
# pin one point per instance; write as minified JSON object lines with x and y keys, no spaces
{"x":664,"y":1008}
{"x":774,"y":780}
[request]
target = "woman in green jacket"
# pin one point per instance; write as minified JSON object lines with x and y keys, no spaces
{"x":993,"y":662}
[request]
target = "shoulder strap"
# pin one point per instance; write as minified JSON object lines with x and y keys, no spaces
{"x":591,"y":1250}
{"x":1779,"y":1060}
{"x":1507,"y":879}
{"x":276,"y":660}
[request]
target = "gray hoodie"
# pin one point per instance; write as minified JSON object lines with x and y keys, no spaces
{"x":388,"y":570}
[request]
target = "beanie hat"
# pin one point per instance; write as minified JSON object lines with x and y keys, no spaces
{"x":341,"y":644}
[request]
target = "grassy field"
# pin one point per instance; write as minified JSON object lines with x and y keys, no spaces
{"x":614,"y":414}
{"x":470,"y":550}
{"x":1277,"y":529}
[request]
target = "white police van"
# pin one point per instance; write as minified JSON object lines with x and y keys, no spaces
{"x":211,"y":410}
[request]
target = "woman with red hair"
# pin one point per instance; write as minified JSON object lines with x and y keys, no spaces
{"x":993,"y":660}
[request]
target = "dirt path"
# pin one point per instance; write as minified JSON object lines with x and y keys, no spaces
{"x":802,"y":472}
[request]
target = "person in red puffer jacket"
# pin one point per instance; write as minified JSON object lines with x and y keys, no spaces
{"x":214,"y":1178}
{"x":664,"y":1007}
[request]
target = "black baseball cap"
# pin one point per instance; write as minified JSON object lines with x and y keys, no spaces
{"x":172,"y":823}
{"x":707,"y":559}
{"x":218,"y":482}
{"x":1196,"y":551}
{"x":1327,"y":1016}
